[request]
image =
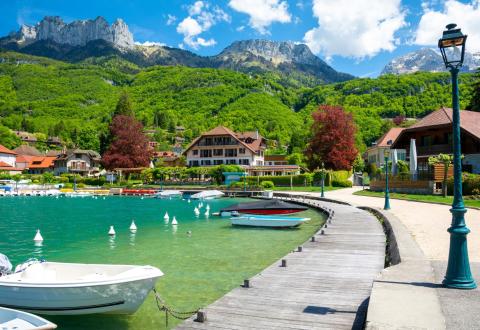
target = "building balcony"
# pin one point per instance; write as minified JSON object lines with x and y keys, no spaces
{"x":434,"y":150}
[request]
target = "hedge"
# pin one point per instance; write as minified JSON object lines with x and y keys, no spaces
{"x":342,"y":183}
{"x":470,"y":186}
{"x":282,"y":180}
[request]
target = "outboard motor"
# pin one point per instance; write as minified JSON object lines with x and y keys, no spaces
{"x":5,"y":265}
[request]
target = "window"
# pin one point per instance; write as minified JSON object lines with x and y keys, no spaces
{"x":218,"y":152}
{"x":217,"y":162}
{"x":231,"y":161}
{"x":206,"y":153}
{"x":244,"y":161}
{"x":195,"y":152}
{"x":426,"y":141}
{"x":230,"y":152}
{"x":241,"y":151}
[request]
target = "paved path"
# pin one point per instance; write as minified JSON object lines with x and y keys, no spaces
{"x":427,"y":223}
{"x":325,"y":286}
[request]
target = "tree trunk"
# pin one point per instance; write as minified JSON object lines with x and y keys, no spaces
{"x":445,"y":177}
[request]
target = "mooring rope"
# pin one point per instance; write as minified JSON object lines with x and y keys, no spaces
{"x":162,"y":307}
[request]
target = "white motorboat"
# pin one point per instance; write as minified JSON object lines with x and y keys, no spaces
{"x":267,"y":221}
{"x":208,"y":194}
{"x":66,"y":288}
{"x":168,"y":194}
{"x":11,"y":319}
{"x":78,"y":194}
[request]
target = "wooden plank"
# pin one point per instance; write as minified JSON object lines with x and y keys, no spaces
{"x":323,"y":287}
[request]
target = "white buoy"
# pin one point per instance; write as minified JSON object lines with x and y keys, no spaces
{"x":38,"y":237}
{"x":111,"y":232}
{"x":133,"y":227}
{"x":103,"y":198}
{"x":166,"y":217}
{"x":208,"y":207}
{"x":207,"y":212}
{"x":174,"y":221}
{"x":188,"y":200}
{"x":196,"y":211}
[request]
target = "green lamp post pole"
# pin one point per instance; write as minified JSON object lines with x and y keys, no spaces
{"x":386,"y":206}
{"x":323,"y":181}
{"x":458,"y":270}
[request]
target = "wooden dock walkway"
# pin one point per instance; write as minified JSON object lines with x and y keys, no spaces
{"x":326,"y":286}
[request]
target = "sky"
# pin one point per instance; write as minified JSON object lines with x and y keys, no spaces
{"x":354,"y":36}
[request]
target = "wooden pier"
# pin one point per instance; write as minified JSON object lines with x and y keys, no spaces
{"x":325,"y":286}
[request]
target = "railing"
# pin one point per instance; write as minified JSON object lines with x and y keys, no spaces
{"x":435,"y":149}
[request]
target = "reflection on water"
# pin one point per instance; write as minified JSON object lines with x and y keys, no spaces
{"x":174,"y":229}
{"x":111,"y":241}
{"x":38,"y":250}
{"x":132,"y":239}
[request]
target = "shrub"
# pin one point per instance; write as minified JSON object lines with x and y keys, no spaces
{"x":238,"y":184}
{"x":341,"y":183}
{"x":471,"y":182}
{"x":267,"y":185}
{"x":340,"y":175}
{"x":281,"y":180}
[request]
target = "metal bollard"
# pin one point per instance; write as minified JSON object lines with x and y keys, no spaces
{"x":312,"y":239}
{"x":246,"y":283}
{"x":300,"y":249}
{"x":322,"y":232}
{"x":284,"y":263}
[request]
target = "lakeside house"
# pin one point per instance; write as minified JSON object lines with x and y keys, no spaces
{"x":433,"y":135}
{"x":375,"y":154}
{"x":83,"y":162}
{"x":167,"y":158}
{"x":221,"y":145}
{"x":8,"y":161}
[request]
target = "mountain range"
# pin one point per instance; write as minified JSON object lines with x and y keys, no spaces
{"x":82,"y":39}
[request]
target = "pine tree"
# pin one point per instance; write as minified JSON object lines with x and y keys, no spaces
{"x":475,"y":102}
{"x":124,"y":105}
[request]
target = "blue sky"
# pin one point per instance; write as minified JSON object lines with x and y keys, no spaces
{"x":354,"y":36}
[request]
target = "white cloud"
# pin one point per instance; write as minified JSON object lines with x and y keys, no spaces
{"x":240,"y":28}
{"x":149,"y":43}
{"x":433,"y":22}
{"x":262,"y":12}
{"x":358,"y":29}
{"x":201,"y":18}
{"x":171,"y":19}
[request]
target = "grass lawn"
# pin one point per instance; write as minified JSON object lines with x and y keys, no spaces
{"x":419,"y":198}
{"x":306,"y":189}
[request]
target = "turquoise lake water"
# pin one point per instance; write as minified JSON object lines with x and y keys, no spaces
{"x":198,"y":269}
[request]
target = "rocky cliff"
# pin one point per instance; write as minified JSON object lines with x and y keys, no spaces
{"x":76,"y":33}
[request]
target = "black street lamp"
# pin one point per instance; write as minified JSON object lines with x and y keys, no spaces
{"x":452,"y":47}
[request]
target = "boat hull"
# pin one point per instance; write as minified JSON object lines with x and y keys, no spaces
{"x":119,"y":298}
{"x":270,"y":211}
{"x":272,"y":222}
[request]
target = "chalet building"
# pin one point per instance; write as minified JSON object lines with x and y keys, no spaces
{"x":26,"y":137}
{"x":32,"y":161}
{"x":167,"y":158}
{"x":222,"y":146}
{"x":83,"y":162}
{"x":376,"y":153}
{"x":433,"y":135}
{"x":8,"y":161}
{"x":275,"y":160}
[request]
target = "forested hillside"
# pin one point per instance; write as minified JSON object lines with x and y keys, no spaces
{"x":75,"y":101}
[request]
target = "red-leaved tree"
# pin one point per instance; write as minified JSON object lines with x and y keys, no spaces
{"x":129,"y":148}
{"x":333,"y":140}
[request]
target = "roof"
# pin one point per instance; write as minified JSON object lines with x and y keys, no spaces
{"x":389,"y":137}
{"x":41,"y":162}
{"x":275,"y":158}
{"x":54,"y":153}
{"x":240,"y":137}
{"x":469,"y":121}
{"x":4,"y":150}
{"x":25,"y":149}
{"x":26,"y":136}
{"x":22,"y":159}
{"x":7,"y":167}
{"x":92,"y":154}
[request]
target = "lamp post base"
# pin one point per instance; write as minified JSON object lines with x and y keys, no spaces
{"x":459,"y":284}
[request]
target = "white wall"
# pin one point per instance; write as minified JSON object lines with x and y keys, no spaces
{"x":474,"y":160}
{"x":8,"y":158}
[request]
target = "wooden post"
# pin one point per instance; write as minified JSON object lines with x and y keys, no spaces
{"x":201,"y":316}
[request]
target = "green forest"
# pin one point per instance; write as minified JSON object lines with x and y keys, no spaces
{"x":76,"y":101}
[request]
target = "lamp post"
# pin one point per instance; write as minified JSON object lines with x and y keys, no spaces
{"x":386,"y":154}
{"x":323,"y":180}
{"x":452,"y":47}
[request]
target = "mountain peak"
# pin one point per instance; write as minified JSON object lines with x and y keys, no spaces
{"x":426,"y":59}
{"x":76,"y":33}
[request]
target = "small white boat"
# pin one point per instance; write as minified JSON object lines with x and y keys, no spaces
{"x":267,"y":221}
{"x":78,"y":194}
{"x":11,"y":319}
{"x":68,"y":289}
{"x":168,"y":194}
{"x":208,"y":194}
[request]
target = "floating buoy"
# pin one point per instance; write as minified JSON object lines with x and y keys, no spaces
{"x":188,"y":200}
{"x":207,"y":212}
{"x":103,"y":198}
{"x":141,"y":197}
{"x":111,"y":232}
{"x":174,"y":221}
{"x":196,"y":211}
{"x":208,"y":207}
{"x":133,"y":227}
{"x":189,"y":233}
{"x":38,"y":237}
{"x":166,"y":217}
